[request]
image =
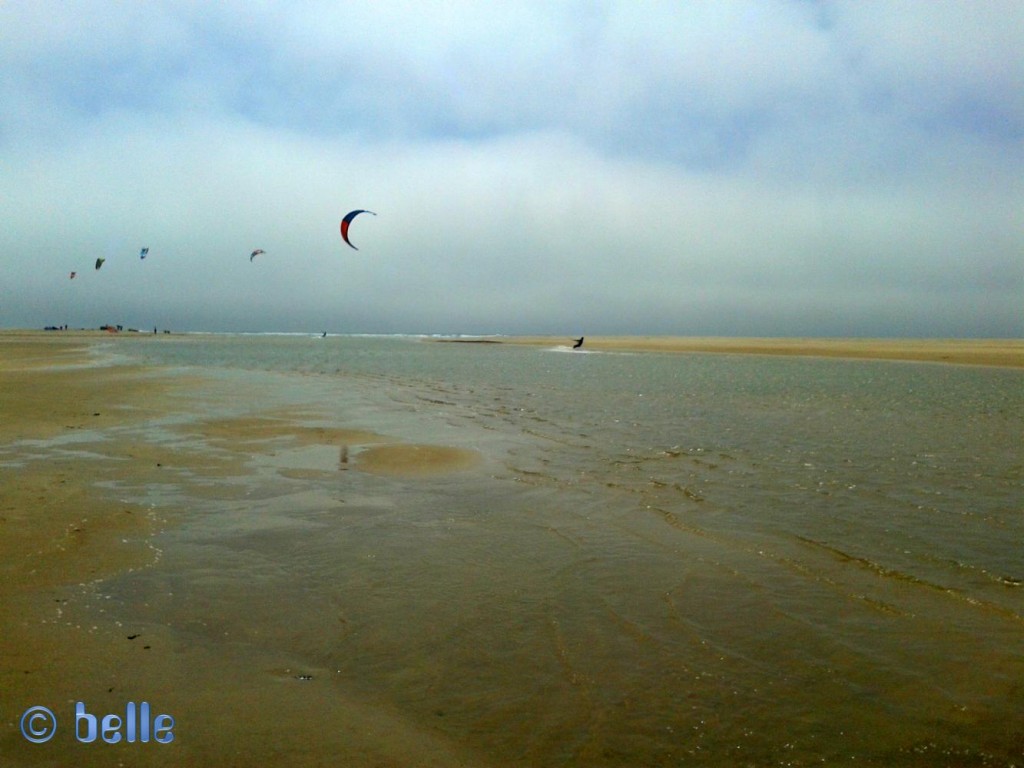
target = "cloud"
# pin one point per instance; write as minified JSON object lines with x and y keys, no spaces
{"x":738,"y":167}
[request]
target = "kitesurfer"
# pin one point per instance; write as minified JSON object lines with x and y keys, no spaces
{"x":578,"y":343}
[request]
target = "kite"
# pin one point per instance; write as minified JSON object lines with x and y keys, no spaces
{"x":143,"y":253}
{"x":72,"y":276}
{"x":347,"y":221}
{"x":99,"y":263}
{"x":256,"y":253}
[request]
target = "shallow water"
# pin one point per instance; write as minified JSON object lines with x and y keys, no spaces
{"x":660,"y":559}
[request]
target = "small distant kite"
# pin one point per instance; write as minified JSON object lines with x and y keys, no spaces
{"x":143,"y":253}
{"x":347,"y":221}
{"x":99,"y":262}
{"x":72,"y":276}
{"x":256,"y":253}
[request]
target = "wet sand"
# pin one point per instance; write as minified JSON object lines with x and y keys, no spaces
{"x":993,"y":352}
{"x":69,"y":437}
{"x":404,"y":460}
{"x":72,"y":433}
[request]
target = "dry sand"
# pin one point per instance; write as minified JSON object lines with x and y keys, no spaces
{"x":993,"y":352}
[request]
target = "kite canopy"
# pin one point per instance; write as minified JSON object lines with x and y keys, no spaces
{"x":347,"y":221}
{"x":143,"y":253}
{"x":256,"y":253}
{"x":72,"y":275}
{"x":99,"y":263}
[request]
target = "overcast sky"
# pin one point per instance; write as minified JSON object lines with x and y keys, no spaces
{"x":772,"y":167}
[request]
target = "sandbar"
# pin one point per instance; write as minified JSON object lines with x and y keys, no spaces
{"x":411,"y":460}
{"x":989,"y":352}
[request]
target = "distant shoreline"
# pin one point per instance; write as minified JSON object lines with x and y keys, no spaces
{"x":1003,"y":353}
{"x":1006,"y":353}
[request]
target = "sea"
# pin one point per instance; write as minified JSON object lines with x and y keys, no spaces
{"x":659,"y":558}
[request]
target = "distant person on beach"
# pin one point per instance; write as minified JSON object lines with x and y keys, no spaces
{"x":579,"y":343}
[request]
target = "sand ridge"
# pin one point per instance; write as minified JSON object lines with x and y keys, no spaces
{"x":990,"y":352}
{"x":412,"y":460}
